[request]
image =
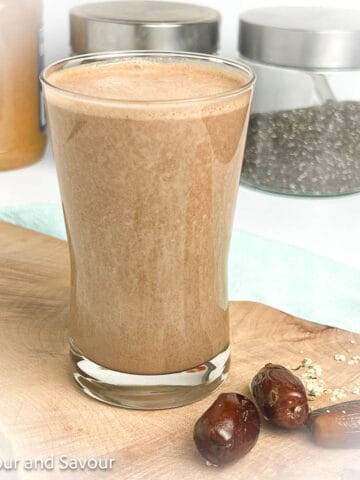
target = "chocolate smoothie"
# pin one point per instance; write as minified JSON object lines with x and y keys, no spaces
{"x":149,"y":170}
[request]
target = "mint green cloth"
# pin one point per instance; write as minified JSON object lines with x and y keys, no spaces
{"x":47,"y":219}
{"x":262,"y":270}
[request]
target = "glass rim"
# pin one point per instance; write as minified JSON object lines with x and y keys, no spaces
{"x":77,"y":60}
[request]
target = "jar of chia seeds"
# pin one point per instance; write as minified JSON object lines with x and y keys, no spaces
{"x":304,"y":132}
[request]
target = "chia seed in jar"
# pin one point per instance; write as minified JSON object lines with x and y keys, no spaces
{"x":304,"y":128}
{"x":313,"y":150}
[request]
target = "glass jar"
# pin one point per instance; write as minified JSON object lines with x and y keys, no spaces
{"x":304,"y":127}
{"x":143,"y":25}
{"x":22,"y":137}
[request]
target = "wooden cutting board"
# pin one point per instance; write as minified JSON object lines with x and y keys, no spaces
{"x":43,"y":413}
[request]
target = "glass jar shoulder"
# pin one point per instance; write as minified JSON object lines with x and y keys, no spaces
{"x":283,"y":88}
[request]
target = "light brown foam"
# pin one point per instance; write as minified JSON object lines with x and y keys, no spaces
{"x":113,"y":89}
{"x":147,"y":81}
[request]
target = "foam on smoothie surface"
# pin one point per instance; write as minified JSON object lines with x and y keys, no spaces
{"x":139,"y":80}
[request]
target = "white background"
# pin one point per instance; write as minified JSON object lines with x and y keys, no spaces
{"x":328,"y":226}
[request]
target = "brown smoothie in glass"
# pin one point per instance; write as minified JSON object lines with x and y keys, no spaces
{"x":149,"y":193}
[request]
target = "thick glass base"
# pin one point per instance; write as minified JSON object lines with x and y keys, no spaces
{"x":149,"y":392}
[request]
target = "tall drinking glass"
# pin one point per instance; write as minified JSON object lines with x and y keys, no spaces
{"x":148,"y":149}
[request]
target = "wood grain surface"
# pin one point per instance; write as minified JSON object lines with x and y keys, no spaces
{"x":43,"y":413}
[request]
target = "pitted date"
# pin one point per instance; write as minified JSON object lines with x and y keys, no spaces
{"x":280,"y":396}
{"x":228,"y":430}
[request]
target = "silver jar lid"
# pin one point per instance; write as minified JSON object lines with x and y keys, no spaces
{"x":144,"y":25}
{"x":303,"y":37}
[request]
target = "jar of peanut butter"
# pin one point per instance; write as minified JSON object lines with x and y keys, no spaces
{"x":22,"y":137}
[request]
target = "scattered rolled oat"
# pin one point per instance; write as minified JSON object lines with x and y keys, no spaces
{"x":339,"y":357}
{"x":314,"y":385}
{"x":317,"y":370}
{"x":354,"y":360}
{"x":337,"y":393}
{"x":306,"y":362}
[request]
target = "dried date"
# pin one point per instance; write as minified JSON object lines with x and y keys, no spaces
{"x":228,"y":430}
{"x":337,"y":426}
{"x":280,"y":396}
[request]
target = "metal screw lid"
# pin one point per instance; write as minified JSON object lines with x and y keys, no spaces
{"x":303,"y":37}
{"x":144,"y":25}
